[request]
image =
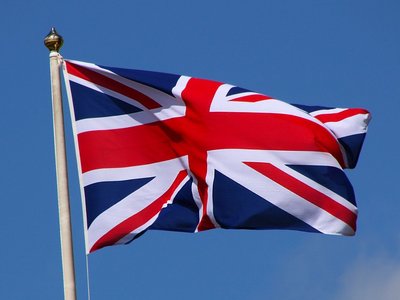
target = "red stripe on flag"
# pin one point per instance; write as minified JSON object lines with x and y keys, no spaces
{"x":251,"y":98}
{"x":138,"y":219}
{"x":198,"y":96}
{"x":336,"y":117}
{"x":306,"y":192}
{"x":104,"y":81}
{"x":181,"y":136}
{"x":116,"y":148}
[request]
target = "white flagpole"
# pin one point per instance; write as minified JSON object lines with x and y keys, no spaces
{"x":53,"y":42}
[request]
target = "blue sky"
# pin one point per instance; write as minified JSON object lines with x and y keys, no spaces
{"x":316,"y":52}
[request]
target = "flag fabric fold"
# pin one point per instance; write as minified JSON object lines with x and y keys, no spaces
{"x":159,"y":151}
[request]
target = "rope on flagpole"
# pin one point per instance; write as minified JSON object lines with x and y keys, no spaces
{"x":53,"y":41}
{"x":87,"y":276}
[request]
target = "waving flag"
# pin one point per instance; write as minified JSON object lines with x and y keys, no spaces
{"x":169,"y":152}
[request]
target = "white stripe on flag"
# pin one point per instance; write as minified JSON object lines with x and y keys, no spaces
{"x":329,"y":111}
{"x":356,"y":124}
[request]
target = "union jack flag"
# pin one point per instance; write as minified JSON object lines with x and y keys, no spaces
{"x":168,"y":152}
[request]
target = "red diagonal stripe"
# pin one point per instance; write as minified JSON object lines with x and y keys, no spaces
{"x":251,"y":98}
{"x":138,"y":219}
{"x":306,"y":192}
{"x":111,"y":84}
{"x":336,"y":117}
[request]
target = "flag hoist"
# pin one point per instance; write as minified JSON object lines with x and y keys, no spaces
{"x":53,"y":41}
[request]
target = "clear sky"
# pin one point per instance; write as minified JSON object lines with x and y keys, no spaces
{"x":317,"y":52}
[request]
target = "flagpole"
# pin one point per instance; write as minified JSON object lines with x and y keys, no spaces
{"x":53,"y":41}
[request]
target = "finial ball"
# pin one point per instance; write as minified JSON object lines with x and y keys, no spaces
{"x":53,"y":41}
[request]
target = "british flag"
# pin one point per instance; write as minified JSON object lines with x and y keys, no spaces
{"x":169,"y":152}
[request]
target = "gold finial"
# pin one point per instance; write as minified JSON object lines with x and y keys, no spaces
{"x":53,"y":41}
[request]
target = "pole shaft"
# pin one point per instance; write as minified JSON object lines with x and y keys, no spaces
{"x":67,"y":254}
